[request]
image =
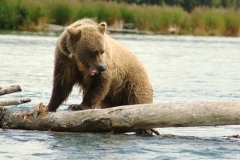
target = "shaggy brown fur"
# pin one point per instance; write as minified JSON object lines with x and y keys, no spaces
{"x":107,"y":72}
{"x":85,"y":46}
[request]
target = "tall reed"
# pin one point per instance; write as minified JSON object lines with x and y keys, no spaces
{"x":12,"y":14}
{"x":25,"y":14}
{"x":232,"y":22}
{"x":101,"y":11}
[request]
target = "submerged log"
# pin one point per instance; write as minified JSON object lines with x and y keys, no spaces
{"x":14,"y":102}
{"x":125,"y":118}
{"x":11,"y":89}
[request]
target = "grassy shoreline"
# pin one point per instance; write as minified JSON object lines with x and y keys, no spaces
{"x":32,"y":15}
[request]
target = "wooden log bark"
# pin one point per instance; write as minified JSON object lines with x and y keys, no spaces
{"x":11,"y":89}
{"x":127,"y":118}
{"x":14,"y":102}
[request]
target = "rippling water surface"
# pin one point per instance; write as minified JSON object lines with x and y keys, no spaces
{"x":182,"y":69}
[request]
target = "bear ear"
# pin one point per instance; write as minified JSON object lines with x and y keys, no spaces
{"x":73,"y":31}
{"x":102,"y":27}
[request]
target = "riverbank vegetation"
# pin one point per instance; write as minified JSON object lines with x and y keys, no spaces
{"x":200,"y":20}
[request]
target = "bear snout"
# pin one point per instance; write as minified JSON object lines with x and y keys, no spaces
{"x":94,"y":70}
{"x":102,"y":68}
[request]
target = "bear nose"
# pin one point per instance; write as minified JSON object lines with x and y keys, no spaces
{"x":102,"y":68}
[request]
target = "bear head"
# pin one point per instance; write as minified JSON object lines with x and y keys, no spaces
{"x":87,"y":47}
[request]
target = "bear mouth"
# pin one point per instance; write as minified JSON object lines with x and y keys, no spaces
{"x":92,"y":70}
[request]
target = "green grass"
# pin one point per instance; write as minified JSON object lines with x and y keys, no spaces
{"x":209,"y":21}
{"x":61,"y":14}
{"x":27,"y":14}
{"x":232,"y":23}
{"x":213,"y":23}
{"x":98,"y":11}
{"x":12,"y":14}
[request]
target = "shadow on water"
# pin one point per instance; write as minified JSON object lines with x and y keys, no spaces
{"x":110,"y":146}
{"x":53,"y":145}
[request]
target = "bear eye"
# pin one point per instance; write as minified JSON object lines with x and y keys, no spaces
{"x":101,"y":52}
{"x":96,"y":52}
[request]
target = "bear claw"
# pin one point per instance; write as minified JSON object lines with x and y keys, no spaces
{"x":76,"y":107}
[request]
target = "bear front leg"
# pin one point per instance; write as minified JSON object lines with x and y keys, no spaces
{"x":95,"y":93}
{"x":59,"y":94}
{"x":65,"y":76}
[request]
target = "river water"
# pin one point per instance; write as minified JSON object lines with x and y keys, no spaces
{"x":182,"y":69}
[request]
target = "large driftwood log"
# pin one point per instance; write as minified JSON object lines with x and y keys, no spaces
{"x":14,"y":102}
{"x":11,"y":89}
{"x":127,"y":118}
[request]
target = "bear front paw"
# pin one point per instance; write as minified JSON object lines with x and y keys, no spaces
{"x":76,"y":107}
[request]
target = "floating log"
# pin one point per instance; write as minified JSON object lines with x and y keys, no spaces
{"x":14,"y":102}
{"x":11,"y":89}
{"x":125,"y":118}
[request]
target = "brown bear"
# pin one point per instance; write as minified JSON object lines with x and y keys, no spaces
{"x":107,"y":72}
